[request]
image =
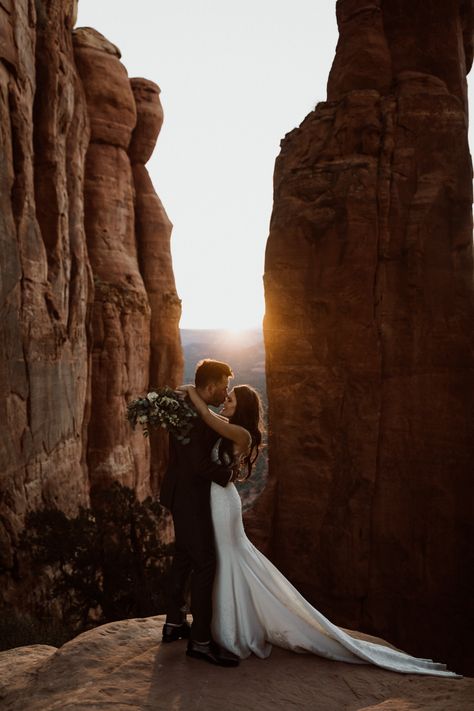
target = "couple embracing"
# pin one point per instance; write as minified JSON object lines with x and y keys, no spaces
{"x":240,"y":603}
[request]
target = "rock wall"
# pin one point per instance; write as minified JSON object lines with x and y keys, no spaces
{"x":45,"y":274}
{"x":76,"y":311}
{"x":153,"y":233}
{"x":121,"y":313}
{"x":368,"y":331}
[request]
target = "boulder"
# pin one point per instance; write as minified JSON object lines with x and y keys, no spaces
{"x":123,"y":665}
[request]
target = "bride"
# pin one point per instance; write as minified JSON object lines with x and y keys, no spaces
{"x":254,"y":605}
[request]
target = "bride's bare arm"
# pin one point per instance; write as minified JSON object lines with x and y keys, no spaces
{"x":239,"y":435}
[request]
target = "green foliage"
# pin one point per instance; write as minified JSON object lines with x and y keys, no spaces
{"x":162,"y":408}
{"x":108,"y":562}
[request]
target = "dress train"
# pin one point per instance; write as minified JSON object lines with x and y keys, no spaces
{"x":255,"y":606}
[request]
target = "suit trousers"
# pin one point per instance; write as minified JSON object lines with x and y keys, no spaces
{"x":194,"y":555}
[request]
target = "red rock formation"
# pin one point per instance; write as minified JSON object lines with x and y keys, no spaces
{"x":45,"y":276}
{"x":153,"y":233}
{"x":124,"y":660}
{"x":121,"y":315}
{"x":70,"y":360}
{"x":368,"y":332}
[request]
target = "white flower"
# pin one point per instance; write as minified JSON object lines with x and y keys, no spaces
{"x":164,"y":409}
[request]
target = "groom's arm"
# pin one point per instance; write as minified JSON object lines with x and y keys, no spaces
{"x":218,"y":473}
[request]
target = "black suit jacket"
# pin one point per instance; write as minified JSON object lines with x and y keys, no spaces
{"x":187,"y":481}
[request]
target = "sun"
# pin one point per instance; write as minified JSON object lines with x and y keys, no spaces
{"x":238,"y":336}
{"x":235,"y":305}
{"x":220,"y":314}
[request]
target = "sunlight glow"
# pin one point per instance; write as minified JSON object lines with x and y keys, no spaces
{"x":238,"y":336}
{"x":232,"y":309}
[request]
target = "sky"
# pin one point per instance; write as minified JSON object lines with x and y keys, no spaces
{"x":234,"y":78}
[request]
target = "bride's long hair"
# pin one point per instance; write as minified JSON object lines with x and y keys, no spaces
{"x":248,"y":414}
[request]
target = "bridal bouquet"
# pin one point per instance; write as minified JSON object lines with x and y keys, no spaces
{"x":162,"y":408}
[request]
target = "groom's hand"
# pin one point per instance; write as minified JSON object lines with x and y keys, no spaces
{"x":235,"y":469}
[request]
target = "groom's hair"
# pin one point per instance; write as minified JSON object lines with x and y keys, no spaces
{"x":211,"y":371}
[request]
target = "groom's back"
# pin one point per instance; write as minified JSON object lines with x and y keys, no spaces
{"x":182,"y":483}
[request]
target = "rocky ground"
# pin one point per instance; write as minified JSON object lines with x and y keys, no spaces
{"x":123,"y":666}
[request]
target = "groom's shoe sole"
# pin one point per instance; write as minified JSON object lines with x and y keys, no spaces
{"x":212,"y":658}
{"x":171,"y":633}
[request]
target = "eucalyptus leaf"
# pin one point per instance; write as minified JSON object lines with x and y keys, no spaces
{"x":162,"y":408}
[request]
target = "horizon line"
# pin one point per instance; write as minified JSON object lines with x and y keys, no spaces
{"x":221,"y":328}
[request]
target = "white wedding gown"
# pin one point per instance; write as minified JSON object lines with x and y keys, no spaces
{"x":255,"y":606}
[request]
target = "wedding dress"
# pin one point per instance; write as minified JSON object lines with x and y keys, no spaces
{"x":255,"y":606}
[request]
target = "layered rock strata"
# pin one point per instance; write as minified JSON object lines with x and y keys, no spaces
{"x":45,"y":274}
{"x":368,"y":330}
{"x":76,"y":314}
{"x":121,"y":312}
{"x":153,"y":233}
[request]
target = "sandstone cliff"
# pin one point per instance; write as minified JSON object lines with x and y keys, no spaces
{"x":121,"y":312}
{"x":45,"y":271}
{"x":86,"y":271}
{"x":369,"y":336}
{"x":153,"y":232}
{"x":123,"y":665}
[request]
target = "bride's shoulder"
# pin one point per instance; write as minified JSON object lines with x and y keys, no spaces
{"x":243,"y":447}
{"x":246,"y":438}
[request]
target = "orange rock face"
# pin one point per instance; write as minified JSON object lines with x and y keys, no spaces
{"x":76,"y":314}
{"x":126,"y":662}
{"x":121,"y":312}
{"x":369,"y":336}
{"x":45,"y":275}
{"x":153,"y":233}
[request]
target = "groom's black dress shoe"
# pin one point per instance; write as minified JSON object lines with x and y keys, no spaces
{"x":212,"y":653}
{"x":173,"y":632}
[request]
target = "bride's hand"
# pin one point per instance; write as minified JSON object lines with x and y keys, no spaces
{"x":239,"y":469}
{"x":197,"y":401}
{"x":185,"y":388}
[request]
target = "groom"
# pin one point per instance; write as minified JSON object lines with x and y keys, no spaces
{"x":186,"y":493}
